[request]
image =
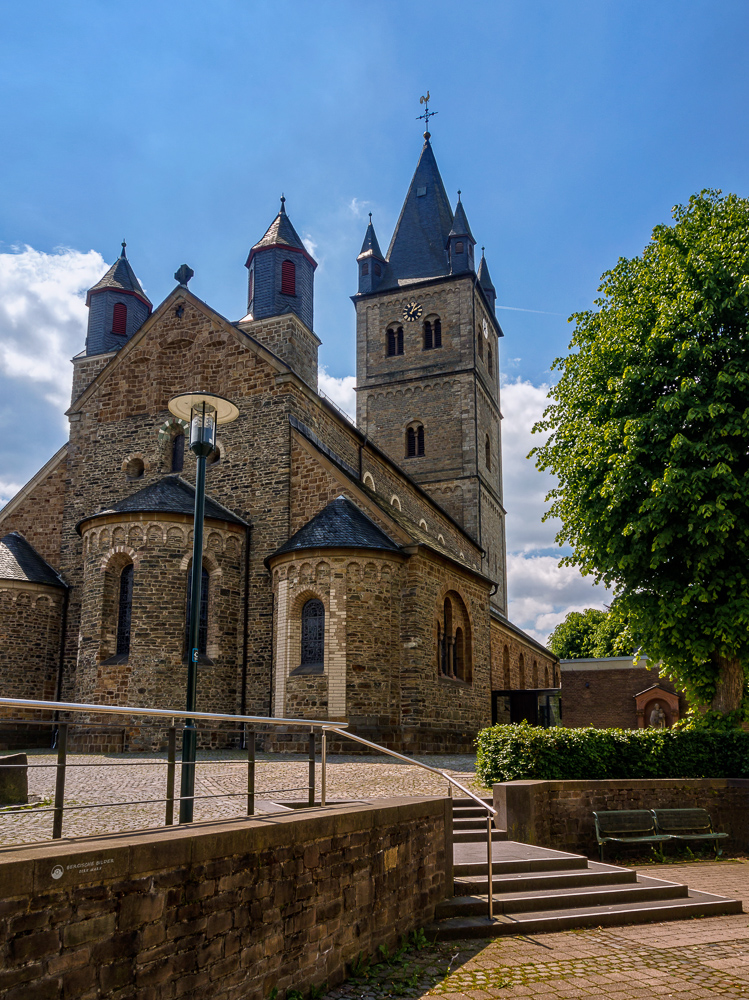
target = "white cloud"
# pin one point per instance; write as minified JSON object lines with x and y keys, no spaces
{"x":8,"y":490}
{"x":310,"y":246}
{"x":43,"y":317}
{"x":340,"y":390}
{"x":540,"y":592}
{"x":359,"y":208}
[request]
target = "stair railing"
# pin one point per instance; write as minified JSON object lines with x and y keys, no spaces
{"x":313,"y":725}
{"x":491,"y":812}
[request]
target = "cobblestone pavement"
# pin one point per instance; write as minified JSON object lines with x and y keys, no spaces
{"x":686,"y":959}
{"x":98,"y":779}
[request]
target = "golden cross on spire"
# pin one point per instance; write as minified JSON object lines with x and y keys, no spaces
{"x":427,"y":114}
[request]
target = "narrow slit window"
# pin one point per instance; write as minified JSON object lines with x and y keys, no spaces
{"x":420,"y":441}
{"x":480,"y":339}
{"x":459,"y":247}
{"x":313,"y":634}
{"x":437,"y":328}
{"x":125,"y":611}
{"x":488,"y":455}
{"x":365,"y":267}
{"x":410,"y":442}
{"x":178,"y":452}
{"x":489,"y":360}
{"x":119,"y":318}
{"x":288,"y":278}
{"x":400,"y":340}
{"x":427,"y":335}
{"x":391,"y":343}
{"x":203,"y":624}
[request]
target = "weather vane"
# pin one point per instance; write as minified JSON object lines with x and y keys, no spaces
{"x":427,"y":114}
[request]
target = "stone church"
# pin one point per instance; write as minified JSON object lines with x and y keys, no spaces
{"x":350,"y":572}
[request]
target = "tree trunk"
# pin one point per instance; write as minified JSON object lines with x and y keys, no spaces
{"x":730,"y":687}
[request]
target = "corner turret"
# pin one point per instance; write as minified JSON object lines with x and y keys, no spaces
{"x":118,"y":307}
{"x":486,"y":282}
{"x":371,"y":261}
{"x":460,"y":242}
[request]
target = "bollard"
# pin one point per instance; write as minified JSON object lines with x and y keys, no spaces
{"x":250,"y":740}
{"x":171,"y":757}
{"x":62,"y":759}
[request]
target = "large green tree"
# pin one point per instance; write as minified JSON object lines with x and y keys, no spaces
{"x":649,"y":440}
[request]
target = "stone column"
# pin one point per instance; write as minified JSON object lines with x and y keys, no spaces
{"x":335,"y":643}
{"x":282,"y":648}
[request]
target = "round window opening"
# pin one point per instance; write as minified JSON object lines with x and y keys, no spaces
{"x":135,"y":468}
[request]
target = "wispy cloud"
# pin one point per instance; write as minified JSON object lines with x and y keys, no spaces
{"x":541,"y":312}
{"x":359,"y":208}
{"x":340,"y":390}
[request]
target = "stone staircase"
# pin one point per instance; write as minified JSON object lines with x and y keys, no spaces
{"x":537,"y":889}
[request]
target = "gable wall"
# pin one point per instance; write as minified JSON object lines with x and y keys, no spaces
{"x":38,"y":517}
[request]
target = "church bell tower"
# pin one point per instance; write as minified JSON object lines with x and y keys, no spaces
{"x":427,"y":368}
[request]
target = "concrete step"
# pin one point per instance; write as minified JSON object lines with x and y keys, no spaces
{"x":643,"y":891}
{"x":570,"y":862}
{"x":471,"y":823}
{"x":465,"y":812}
{"x":595,"y":874}
{"x":694,"y":904}
{"x":477,"y":836}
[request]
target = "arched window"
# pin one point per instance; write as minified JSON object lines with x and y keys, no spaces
{"x":546,"y":675}
{"x":203,"y":624}
{"x":414,"y":441}
{"x":459,"y":247}
{"x":449,"y":670}
{"x":506,"y":668}
{"x":400,"y":340}
{"x":119,"y":318}
{"x":437,"y":329}
{"x":427,"y":335}
{"x":391,"y":343}
{"x":489,"y":364}
{"x":365,"y":267}
{"x":488,"y":453}
{"x":125,"y":611}
{"x":535,"y":674}
{"x":178,"y":452}
{"x":288,"y":278}
{"x":521,"y":683}
{"x":480,"y":339}
{"x":377,"y":269}
{"x":313,"y":634}
{"x":440,"y":650}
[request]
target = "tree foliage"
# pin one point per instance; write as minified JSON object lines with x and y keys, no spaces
{"x":592,"y":633}
{"x":649,"y":441}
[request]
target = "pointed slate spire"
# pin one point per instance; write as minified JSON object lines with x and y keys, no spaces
{"x":370,"y":244}
{"x":118,"y":307}
{"x":460,"y":242}
{"x":417,"y":249}
{"x":372,"y":265}
{"x":279,"y":233}
{"x":484,"y":279}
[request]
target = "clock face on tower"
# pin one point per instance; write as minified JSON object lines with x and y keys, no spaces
{"x":412,"y":311}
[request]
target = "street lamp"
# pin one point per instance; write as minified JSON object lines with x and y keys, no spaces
{"x":204,"y":411}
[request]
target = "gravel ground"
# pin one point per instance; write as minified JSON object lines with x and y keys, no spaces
{"x":98,"y":779}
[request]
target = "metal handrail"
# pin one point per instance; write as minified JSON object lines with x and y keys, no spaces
{"x":325,"y":727}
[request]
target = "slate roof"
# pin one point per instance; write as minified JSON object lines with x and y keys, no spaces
{"x":21,"y":561}
{"x":460,"y":225}
{"x":417,"y":249}
{"x":120,"y":278}
{"x":483,"y":276}
{"x":281,"y":231}
{"x":339,"y":525}
{"x":370,"y":244}
{"x":171,"y":494}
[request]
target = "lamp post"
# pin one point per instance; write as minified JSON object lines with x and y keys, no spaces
{"x":204,"y":411}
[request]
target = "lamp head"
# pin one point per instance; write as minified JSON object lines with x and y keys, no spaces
{"x":204,"y":411}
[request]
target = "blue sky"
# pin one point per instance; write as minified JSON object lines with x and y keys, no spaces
{"x":570,"y":127}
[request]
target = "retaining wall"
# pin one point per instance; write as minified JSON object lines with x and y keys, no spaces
{"x":220,"y":910}
{"x":559,"y":814}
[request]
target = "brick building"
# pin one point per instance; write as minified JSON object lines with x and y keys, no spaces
{"x":615,"y":692}
{"x":350,"y":572}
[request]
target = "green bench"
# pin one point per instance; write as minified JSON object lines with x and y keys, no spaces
{"x":688,"y":824}
{"x":627,"y":826}
{"x":654,"y":826}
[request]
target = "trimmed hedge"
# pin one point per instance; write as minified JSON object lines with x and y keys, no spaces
{"x":508,"y":753}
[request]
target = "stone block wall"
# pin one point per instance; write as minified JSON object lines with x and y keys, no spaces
{"x":38,"y":516}
{"x":559,"y":814}
{"x":518,"y":665}
{"x":602,"y":692}
{"x":30,"y":644}
{"x":221,"y":911}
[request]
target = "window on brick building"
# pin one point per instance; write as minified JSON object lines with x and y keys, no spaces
{"x":313,"y":634}
{"x":453,"y":639}
{"x":427,"y":335}
{"x":415,"y":441}
{"x":489,"y":360}
{"x":119,"y":318}
{"x":178,"y":452}
{"x":365,"y":267}
{"x":480,"y":340}
{"x":437,"y":332}
{"x":288,"y":278}
{"x":535,"y":674}
{"x":506,"y":668}
{"x":459,"y":247}
{"x":377,"y":269}
{"x":546,"y":675}
{"x":399,"y":338}
{"x":125,"y":611}
{"x":394,"y":341}
{"x":521,"y":669}
{"x":460,"y":666}
{"x":488,"y":453}
{"x":203,"y":623}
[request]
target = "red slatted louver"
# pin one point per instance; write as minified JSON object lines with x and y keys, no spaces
{"x":288,"y":278}
{"x":119,"y":318}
